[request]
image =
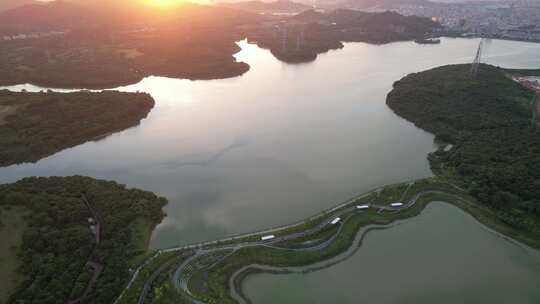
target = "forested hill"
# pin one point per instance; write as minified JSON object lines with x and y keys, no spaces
{"x":495,"y":148}
{"x":59,"y":253}
{"x":37,"y":125}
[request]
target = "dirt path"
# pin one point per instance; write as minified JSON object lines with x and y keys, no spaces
{"x":95,"y":266}
{"x":538,"y":108}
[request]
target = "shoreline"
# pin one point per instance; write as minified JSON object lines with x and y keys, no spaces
{"x":229,"y":281}
{"x":237,"y":280}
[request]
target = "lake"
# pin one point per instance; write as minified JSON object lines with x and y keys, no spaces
{"x":443,"y":256}
{"x":274,"y":145}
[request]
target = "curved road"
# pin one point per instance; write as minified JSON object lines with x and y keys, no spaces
{"x":181,"y":285}
{"x":180,"y":277}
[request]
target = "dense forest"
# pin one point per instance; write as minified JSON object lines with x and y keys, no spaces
{"x":79,"y":227}
{"x":487,"y":120}
{"x":310,"y":33}
{"x":36,"y":125}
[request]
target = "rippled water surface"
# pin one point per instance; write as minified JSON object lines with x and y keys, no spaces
{"x":274,"y":145}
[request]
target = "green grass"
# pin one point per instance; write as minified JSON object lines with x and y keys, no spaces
{"x":212,"y":285}
{"x":141,"y":234}
{"x":12,"y":226}
{"x":220,"y":275}
{"x":172,"y":258}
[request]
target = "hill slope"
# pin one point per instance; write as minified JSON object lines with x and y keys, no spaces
{"x":59,"y":252}
{"x":495,"y":150}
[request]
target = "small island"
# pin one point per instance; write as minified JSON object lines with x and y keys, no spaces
{"x":37,"y":125}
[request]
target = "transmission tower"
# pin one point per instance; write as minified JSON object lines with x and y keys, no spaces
{"x":477,"y":59}
{"x":284,"y":39}
{"x":300,"y":38}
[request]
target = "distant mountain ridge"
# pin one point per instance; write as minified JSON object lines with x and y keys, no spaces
{"x":275,"y":6}
{"x":46,"y":16}
{"x":78,"y":14}
{"x":10,"y":4}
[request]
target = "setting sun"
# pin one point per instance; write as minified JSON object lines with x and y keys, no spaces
{"x":168,"y":3}
{"x":163,"y":3}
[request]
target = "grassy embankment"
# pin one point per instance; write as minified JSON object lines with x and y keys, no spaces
{"x":38,"y":125}
{"x":212,"y":285}
{"x":219,"y":276}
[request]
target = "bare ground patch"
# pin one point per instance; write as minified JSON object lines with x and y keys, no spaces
{"x":5,"y":111}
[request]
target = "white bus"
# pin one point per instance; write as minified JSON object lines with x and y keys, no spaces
{"x":335,"y":221}
{"x":268,"y":237}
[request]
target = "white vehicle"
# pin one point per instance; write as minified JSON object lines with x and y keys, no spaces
{"x":362,"y":207}
{"x":335,"y":221}
{"x":268,"y":237}
{"x":397,"y":204}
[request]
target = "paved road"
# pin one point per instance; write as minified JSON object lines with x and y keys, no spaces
{"x":180,"y":283}
{"x":201,"y":249}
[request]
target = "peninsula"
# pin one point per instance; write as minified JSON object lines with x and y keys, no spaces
{"x":37,"y":125}
{"x":489,"y":136}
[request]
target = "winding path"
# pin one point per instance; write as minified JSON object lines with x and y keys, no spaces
{"x":182,"y":274}
{"x":96,"y":266}
{"x":181,"y":284}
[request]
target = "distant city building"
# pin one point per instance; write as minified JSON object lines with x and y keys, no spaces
{"x":519,"y":20}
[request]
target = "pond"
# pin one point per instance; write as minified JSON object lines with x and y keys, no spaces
{"x":442,"y":256}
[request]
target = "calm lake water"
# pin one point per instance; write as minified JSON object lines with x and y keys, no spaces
{"x":275,"y":145}
{"x":443,"y":256}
